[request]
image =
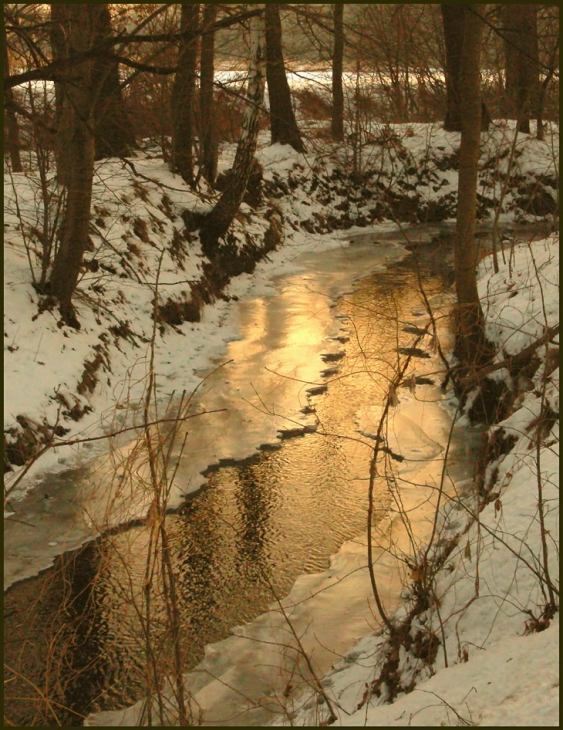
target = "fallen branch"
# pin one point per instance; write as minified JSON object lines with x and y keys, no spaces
{"x":514,"y":362}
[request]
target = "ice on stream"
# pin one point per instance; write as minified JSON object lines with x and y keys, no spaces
{"x":258,"y":674}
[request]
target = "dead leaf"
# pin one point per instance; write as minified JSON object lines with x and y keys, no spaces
{"x":416,"y":575}
{"x":467,"y":551}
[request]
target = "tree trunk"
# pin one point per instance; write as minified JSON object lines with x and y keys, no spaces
{"x":60,"y":30}
{"x":470,"y":342}
{"x":183,"y":96}
{"x":520,"y":30}
{"x":528,"y":77}
{"x":454,"y":17}
{"x":208,"y":130}
{"x":114,"y":136}
{"x":509,"y":31}
{"x":282,"y":119}
{"x":337,"y":126}
{"x":78,"y":111}
{"x":10,"y":118}
{"x":543,"y":91}
{"x":217,"y":223}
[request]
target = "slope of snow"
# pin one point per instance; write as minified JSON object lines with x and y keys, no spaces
{"x":497,"y":660}
{"x":138,"y":231}
{"x":488,"y":594}
{"x":137,"y":223}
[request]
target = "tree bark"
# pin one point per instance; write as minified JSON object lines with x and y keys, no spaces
{"x":337,"y":126}
{"x":508,"y":102}
{"x":282,"y":119}
{"x":10,"y":118}
{"x":470,"y":345}
{"x":183,"y":95}
{"x":529,"y":69}
{"x":208,"y":130}
{"x":520,"y":30}
{"x":114,"y":136}
{"x":548,"y":77}
{"x":217,"y":223}
{"x":454,"y":18}
{"x":79,"y":113}
{"x":60,"y":30}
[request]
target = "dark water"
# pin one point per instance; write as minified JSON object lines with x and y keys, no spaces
{"x":78,"y":631}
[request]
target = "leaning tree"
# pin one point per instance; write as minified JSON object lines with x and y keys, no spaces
{"x":208,"y":124}
{"x":218,"y":221}
{"x":337,"y":121}
{"x":77,"y":138}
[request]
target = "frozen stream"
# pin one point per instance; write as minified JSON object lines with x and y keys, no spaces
{"x":270,"y":522}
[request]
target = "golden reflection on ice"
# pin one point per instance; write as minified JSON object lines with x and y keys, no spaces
{"x":280,"y":514}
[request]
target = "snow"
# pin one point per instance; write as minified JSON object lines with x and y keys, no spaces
{"x":492,"y":588}
{"x":525,"y":694}
{"x":517,"y":311}
{"x":43,"y":358}
{"x":498,"y":671}
{"x":488,"y":593}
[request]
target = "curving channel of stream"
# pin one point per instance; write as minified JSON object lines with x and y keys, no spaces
{"x":261,"y":526}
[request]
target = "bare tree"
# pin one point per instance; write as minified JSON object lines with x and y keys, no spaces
{"x":454,"y":18}
{"x":337,"y":126}
{"x":520,"y":31}
{"x":183,"y":96}
{"x":470,"y":346}
{"x":11,"y":121}
{"x":60,"y":25}
{"x":113,"y":131}
{"x":552,"y":64}
{"x":282,"y":119}
{"x":217,"y":223}
{"x":208,"y":131}
{"x":78,"y":138}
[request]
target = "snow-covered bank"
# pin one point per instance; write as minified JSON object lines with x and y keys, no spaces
{"x":68,"y":383}
{"x":62,"y":383}
{"x":98,"y":374}
{"x":80,"y":380}
{"x":484,"y":648}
